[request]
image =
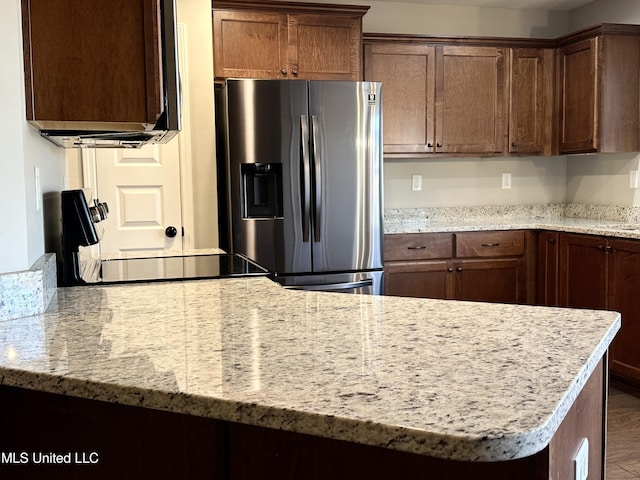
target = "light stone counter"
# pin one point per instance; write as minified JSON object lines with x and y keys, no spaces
{"x":455,"y":380}
{"x":587,"y":219}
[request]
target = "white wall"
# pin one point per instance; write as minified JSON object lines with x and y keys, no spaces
{"x":602,"y":179}
{"x":196,"y":15}
{"x":469,"y":181}
{"x":21,"y":235}
{"x":605,"y":11}
{"x":416,"y":18}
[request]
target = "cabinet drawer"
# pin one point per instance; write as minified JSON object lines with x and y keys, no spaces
{"x":418,"y":246}
{"x":489,"y":244}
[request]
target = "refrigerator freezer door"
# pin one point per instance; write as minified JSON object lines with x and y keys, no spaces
{"x":346,"y":150}
{"x":266,"y":125}
{"x":369,"y":283}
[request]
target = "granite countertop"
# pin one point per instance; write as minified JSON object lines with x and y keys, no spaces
{"x":455,"y":380}
{"x":596,"y":220}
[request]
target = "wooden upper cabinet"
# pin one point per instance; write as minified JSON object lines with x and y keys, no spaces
{"x":470,"y":99}
{"x":530,"y":101}
{"x":92,"y":61}
{"x":408,"y":76}
{"x":250,"y":44}
{"x":438,"y":98}
{"x":323,"y":47}
{"x":598,"y":90}
{"x":578,"y":97}
{"x":284,"y":40}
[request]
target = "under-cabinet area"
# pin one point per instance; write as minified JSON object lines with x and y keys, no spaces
{"x":543,"y":267}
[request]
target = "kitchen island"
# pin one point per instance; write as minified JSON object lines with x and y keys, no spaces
{"x":240,"y":377}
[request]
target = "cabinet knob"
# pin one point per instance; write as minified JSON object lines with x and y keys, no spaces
{"x":552,"y":241}
{"x":171,"y":231}
{"x":283,"y":71}
{"x":459,"y":269}
{"x":590,"y":141}
{"x":430,"y":145}
{"x":450,"y":269}
{"x":438,"y":145}
{"x":295,"y":72}
{"x":514,"y":144}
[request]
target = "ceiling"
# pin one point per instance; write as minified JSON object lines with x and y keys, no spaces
{"x":519,"y":4}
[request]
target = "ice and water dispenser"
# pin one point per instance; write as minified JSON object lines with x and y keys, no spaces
{"x":262,"y":190}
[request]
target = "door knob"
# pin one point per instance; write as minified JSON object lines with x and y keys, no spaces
{"x":170,"y":231}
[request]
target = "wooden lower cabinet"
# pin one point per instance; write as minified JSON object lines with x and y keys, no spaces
{"x":496,"y":280}
{"x":547,"y":269}
{"x":624,"y":282}
{"x":583,"y":271}
{"x":135,"y":442}
{"x":424,"y":279}
{"x":604,"y":273}
{"x":474,"y":266}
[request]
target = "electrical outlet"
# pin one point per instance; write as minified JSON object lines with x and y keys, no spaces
{"x":581,"y":461}
{"x":416,"y":183}
{"x":506,"y":181}
{"x":633,"y":178}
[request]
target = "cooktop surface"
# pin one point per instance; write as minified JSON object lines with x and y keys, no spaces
{"x":177,"y":268}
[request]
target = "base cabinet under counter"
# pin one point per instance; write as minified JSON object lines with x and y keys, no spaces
{"x":476,"y":266}
{"x":122,"y":441}
{"x":603,"y":273}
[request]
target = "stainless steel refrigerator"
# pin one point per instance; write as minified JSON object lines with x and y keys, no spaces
{"x":300,"y":180}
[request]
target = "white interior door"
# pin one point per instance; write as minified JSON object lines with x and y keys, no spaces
{"x":142,"y":189}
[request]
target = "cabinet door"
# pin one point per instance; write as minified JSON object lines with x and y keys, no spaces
{"x":582,"y":265}
{"x":497,"y":280}
{"x":530,"y":97}
{"x":470,"y":99}
{"x":250,"y":44}
{"x":624,"y":277}
{"x":547,"y":283}
{"x":577,"y":91}
{"x":324,"y":47}
{"x":408,"y":75}
{"x":91,"y":61}
{"x":425,"y":279}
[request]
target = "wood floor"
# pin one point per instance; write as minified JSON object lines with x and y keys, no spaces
{"x":623,"y":442}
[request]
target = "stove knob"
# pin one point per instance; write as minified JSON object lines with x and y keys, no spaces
{"x":170,"y":231}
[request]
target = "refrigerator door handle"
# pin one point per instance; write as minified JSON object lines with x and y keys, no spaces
{"x":317,"y":184}
{"x":306,"y":176}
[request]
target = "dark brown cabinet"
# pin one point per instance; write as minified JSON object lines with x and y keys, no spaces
{"x":91,"y":61}
{"x":598,"y":90}
{"x":603,"y":273}
{"x":407,"y":72}
{"x":475,"y":266}
{"x":419,"y":265}
{"x":547,"y":269}
{"x":439,"y":98}
{"x":470,"y":99}
{"x":285,"y":40}
{"x":530,"y":101}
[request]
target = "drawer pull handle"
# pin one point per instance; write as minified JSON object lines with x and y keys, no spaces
{"x":416,"y":248}
{"x":490,"y":244}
